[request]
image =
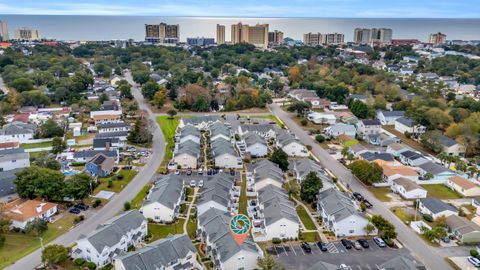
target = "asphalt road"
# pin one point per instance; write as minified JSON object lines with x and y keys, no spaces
{"x":115,"y":205}
{"x":423,"y":252}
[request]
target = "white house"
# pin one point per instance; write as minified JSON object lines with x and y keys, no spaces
{"x":463,"y":186}
{"x":264,"y":173}
{"x":412,"y":158}
{"x":436,"y":208}
{"x":105,"y":112}
{"x":322,"y":118}
{"x":219,"y":130}
{"x":341,"y":129}
{"x":368,"y":127}
{"x":164,"y":198}
{"x":218,"y":192}
{"x":389,"y":117}
{"x":290,"y":145}
{"x":87,"y":155}
{"x":188,"y":133}
{"x":170,"y":253}
{"x":404,"y":125}
{"x":28,"y":211}
{"x":17,"y":132}
{"x":340,"y":214}
{"x":186,"y":154}
{"x":451,"y":147}
{"x":111,"y":239}
{"x":15,"y":158}
{"x":107,"y":118}
{"x":221,"y":247}
{"x":224,"y":154}
{"x":408,"y":189}
{"x":266,"y":131}
{"x":200,"y":122}
{"x":302,"y":167}
{"x":255,"y":145}
{"x":392,"y":172}
{"x":113,"y":127}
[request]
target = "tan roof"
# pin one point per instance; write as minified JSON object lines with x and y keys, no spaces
{"x":462,"y":182}
{"x":461,"y":224}
{"x":28,"y":209}
{"x":8,"y":145}
{"x":407,"y":184}
{"x":106,"y":117}
{"x":401,"y":170}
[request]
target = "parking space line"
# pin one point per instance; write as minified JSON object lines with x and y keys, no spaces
{"x":359,"y":268}
{"x":286,"y":253}
{"x":302,"y":250}
{"x":276,"y":252}
{"x":368,"y":266}
{"x":378,"y":267}
{"x":293,"y":250}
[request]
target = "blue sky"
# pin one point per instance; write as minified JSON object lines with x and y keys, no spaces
{"x":251,"y":8}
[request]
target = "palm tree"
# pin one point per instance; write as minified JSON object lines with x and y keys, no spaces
{"x":460,"y":165}
{"x":344,"y":152}
{"x":472,"y":170}
{"x":292,"y":188}
{"x":267,"y":263}
{"x":443,"y":157}
{"x":369,"y":228}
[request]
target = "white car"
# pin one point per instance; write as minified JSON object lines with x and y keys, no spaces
{"x":193,"y":183}
{"x":474,"y":261}
{"x":200,"y":183}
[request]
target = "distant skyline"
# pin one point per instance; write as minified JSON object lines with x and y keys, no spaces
{"x":250,"y":8}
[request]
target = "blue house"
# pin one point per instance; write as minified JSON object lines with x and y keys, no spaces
{"x":100,"y":165}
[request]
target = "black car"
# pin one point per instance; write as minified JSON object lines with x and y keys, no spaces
{"x":306,"y":247}
{"x":363,"y":243}
{"x":347,"y":243}
{"x":189,"y":172}
{"x":322,"y":246}
{"x":232,"y":172}
{"x":358,"y":196}
{"x":210,"y":172}
{"x":367,"y":204}
{"x":75,"y":211}
{"x":81,"y":206}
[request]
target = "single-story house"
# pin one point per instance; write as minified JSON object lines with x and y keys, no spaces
{"x":379,"y":158}
{"x":463,"y":229}
{"x":381,"y":139}
{"x":436,"y":170}
{"x":463,"y":186}
{"x":412,"y":158}
{"x":408,"y":189}
{"x":357,"y":149}
{"x":391,"y":173}
{"x":397,"y":148}
{"x":436,"y":208}
{"x":322,"y":118}
{"x":21,"y":214}
{"x":339,"y":129}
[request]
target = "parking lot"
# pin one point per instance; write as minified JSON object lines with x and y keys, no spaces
{"x":292,"y":256}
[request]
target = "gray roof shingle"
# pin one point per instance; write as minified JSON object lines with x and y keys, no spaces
{"x":166,"y":191}
{"x":335,"y":203}
{"x":437,"y":206}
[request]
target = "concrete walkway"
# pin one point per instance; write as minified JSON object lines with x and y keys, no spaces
{"x":189,"y":210}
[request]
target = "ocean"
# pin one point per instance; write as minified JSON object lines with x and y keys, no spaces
{"x":74,"y":27}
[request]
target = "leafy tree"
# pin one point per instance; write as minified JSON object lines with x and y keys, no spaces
{"x":431,"y":140}
{"x":22,"y":84}
{"x":292,"y":188}
{"x":149,"y":89}
{"x":55,"y":254}
{"x":127,"y":206}
{"x":320,"y":138}
{"x":50,"y":129}
{"x":34,"y":98}
{"x":280,"y":157}
{"x":359,"y":109}
{"x":200,"y":104}
{"x":160,"y":97}
{"x":141,"y":77}
{"x":140,"y":133}
{"x":386,"y":229}
{"x":125,"y":91}
{"x":58,"y":145}
{"x":367,"y":172}
{"x":45,"y":183}
{"x":171,"y":113}
{"x":78,"y":186}
{"x":268,"y":263}
{"x":299,"y":107}
{"x":37,"y":226}
{"x":47,"y":161}
{"x":310,"y":187}
{"x":2,"y":240}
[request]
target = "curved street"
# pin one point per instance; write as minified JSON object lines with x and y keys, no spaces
{"x":115,"y":205}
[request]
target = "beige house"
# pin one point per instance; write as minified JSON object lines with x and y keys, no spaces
{"x":463,"y":186}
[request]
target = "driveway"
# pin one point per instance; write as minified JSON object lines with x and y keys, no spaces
{"x":292,"y":256}
{"x":115,"y":206}
{"x":423,"y":252}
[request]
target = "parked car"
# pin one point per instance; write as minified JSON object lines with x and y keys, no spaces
{"x":200,"y":171}
{"x":82,"y":206}
{"x":446,"y":239}
{"x":322,"y":246}
{"x":193,"y":183}
{"x":474,"y":261}
{"x":364,"y":243}
{"x":358,"y":196}
{"x":379,"y":241}
{"x":189,"y":172}
{"x":232,"y":172}
{"x":75,"y":211}
{"x":177,"y":172}
{"x":367,"y":204}
{"x":210,"y":172}
{"x":357,"y":245}
{"x":346,"y":243}
{"x":306,"y":247}
{"x":200,"y":183}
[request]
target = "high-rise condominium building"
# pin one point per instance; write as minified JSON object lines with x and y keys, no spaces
{"x":162,"y":33}
{"x":27,"y":34}
{"x":373,"y":35}
{"x":437,"y":38}
{"x":256,"y":35}
{"x":312,"y":39}
{"x":275,"y":37}
{"x":4,"y":31}
{"x":220,"y":34}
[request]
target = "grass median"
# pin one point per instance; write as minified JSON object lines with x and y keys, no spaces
{"x":168,"y":125}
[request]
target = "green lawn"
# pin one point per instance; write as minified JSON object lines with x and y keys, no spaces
{"x":117,"y":185}
{"x":35,"y":155}
{"x":161,"y":231}
{"x":138,"y":199}
{"x":441,"y":192}
{"x":192,"y":229}
{"x":18,"y":245}
{"x":305,"y":218}
{"x":310,"y":236}
{"x":242,"y":204}
{"x":401,"y":214}
{"x":381,"y":193}
{"x":35,"y":145}
{"x":168,"y":126}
